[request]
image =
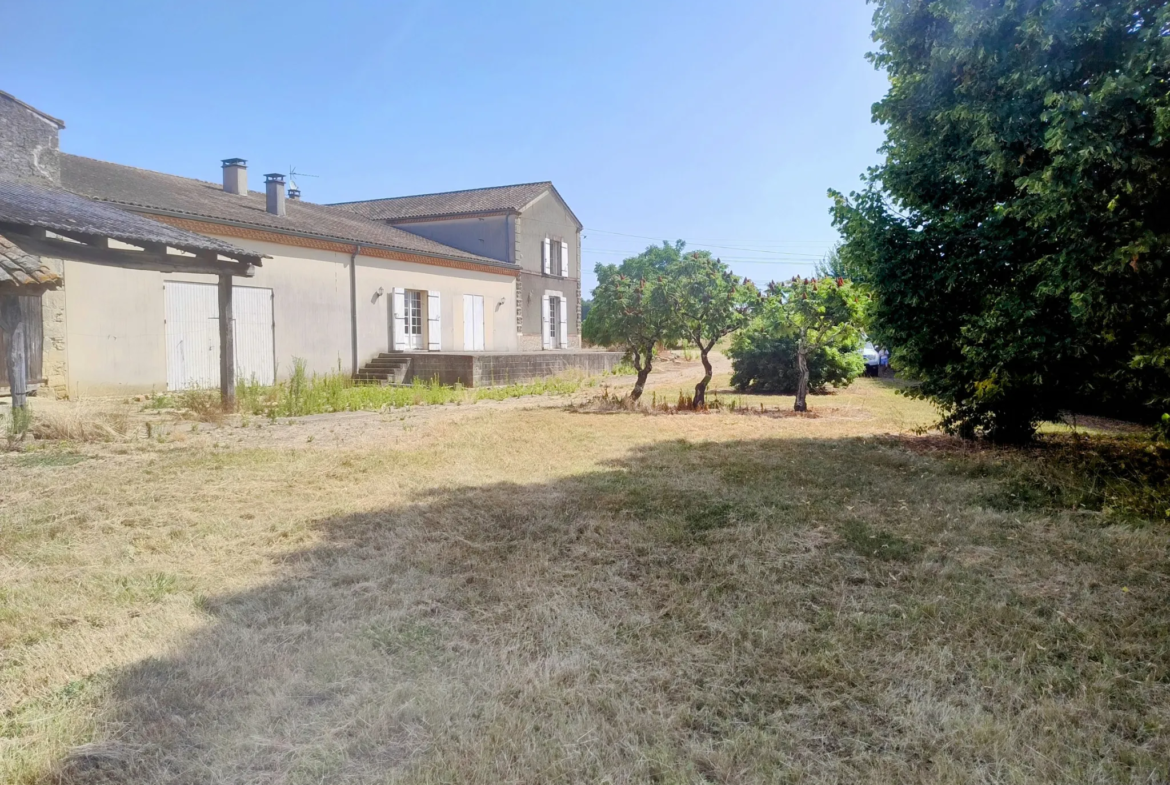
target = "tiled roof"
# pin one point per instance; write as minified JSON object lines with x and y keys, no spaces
{"x":18,"y":268}
{"x":167,"y":194}
{"x":477,"y":200}
{"x":49,"y":207}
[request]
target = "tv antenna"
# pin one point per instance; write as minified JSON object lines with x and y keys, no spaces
{"x":293,"y":174}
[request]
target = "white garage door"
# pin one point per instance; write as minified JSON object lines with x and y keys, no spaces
{"x":192,"y":334}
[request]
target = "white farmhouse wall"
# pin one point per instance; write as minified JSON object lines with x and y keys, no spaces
{"x":115,"y":329}
{"x":451,"y":284}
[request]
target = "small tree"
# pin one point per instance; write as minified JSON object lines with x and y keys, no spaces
{"x":710,"y":302}
{"x":632,"y":309}
{"x":817,"y":313}
{"x":764,"y":361}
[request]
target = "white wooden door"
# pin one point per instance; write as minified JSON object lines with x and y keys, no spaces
{"x":255,"y":354}
{"x":192,"y":334}
{"x":473,"y":323}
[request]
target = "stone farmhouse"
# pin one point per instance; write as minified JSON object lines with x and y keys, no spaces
{"x":479,"y":286}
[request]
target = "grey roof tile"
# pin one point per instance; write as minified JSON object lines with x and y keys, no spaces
{"x":449,"y":203}
{"x":49,"y":207}
{"x":172,"y":195}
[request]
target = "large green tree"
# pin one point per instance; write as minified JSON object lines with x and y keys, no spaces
{"x":633,"y":308}
{"x":1017,"y":233}
{"x":710,"y":302}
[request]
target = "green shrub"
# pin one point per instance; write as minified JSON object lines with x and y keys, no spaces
{"x":767,"y":364}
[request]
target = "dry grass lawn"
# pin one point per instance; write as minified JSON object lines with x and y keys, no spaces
{"x":522,"y":593}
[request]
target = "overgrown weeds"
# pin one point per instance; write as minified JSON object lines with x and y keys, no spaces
{"x":303,"y":393}
{"x":17,"y":424}
{"x":78,"y":423}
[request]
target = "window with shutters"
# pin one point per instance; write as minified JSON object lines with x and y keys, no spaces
{"x":556,"y":261}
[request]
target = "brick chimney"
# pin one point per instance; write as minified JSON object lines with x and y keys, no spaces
{"x":274,"y":185}
{"x":235,"y":176}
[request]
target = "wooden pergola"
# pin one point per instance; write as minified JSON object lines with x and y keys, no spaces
{"x":43,"y":222}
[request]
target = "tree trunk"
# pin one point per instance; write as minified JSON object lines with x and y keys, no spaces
{"x":701,"y":388}
{"x":640,"y":383}
{"x":802,"y":378}
{"x":12,"y":323}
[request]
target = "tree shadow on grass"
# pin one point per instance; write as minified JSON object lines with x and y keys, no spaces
{"x":773,"y":610}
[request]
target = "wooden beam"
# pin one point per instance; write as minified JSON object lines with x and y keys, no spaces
{"x":97,"y":241}
{"x":134,"y":260}
{"x":227,"y":346}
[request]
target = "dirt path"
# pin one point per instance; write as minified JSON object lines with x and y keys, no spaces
{"x":349,"y":430}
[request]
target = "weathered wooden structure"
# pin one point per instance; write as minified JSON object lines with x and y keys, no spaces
{"x":23,"y":277}
{"x":40,"y":221}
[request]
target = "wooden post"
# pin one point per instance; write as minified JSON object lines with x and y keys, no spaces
{"x":227,"y":346}
{"x":12,"y":323}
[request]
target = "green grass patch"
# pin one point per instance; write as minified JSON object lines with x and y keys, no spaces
{"x":1126,"y":478}
{"x":49,"y":459}
{"x":152,"y":587}
{"x":875,"y":543}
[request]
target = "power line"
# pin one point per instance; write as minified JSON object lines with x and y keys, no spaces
{"x":725,"y":247}
{"x":814,"y":260}
{"x":770,"y":245}
{"x":718,"y":239}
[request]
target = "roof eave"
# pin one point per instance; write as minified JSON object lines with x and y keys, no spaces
{"x":441,"y":216}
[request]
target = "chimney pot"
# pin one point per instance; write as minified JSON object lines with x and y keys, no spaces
{"x":274,"y":185}
{"x":294,"y":194}
{"x":235,"y":176}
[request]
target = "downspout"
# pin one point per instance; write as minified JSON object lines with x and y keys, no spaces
{"x":353,"y":324}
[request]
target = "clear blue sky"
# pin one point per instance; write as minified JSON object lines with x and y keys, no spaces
{"x":722,"y":124}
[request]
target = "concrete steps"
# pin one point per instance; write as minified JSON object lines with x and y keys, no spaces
{"x":384,"y":369}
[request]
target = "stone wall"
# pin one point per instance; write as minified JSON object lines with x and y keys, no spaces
{"x":492,"y":369}
{"x":54,"y":364}
{"x":496,"y":369}
{"x":534,"y":343}
{"x":28,"y":143}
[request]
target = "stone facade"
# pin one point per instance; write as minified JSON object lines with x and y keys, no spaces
{"x":54,"y":366}
{"x":485,"y":369}
{"x":28,"y":143}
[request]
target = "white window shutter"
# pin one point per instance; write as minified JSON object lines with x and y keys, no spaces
{"x":564,"y":259}
{"x":398,"y":317}
{"x":563,"y":332}
{"x":468,"y":322}
{"x":546,"y":256}
{"x":434,"y":324}
{"x":477,"y":318}
{"x":545,"y":333}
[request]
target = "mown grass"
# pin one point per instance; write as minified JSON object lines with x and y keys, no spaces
{"x":552,"y":596}
{"x":1123,"y":478}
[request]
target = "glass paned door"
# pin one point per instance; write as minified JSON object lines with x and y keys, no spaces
{"x":414,"y":320}
{"x":554,"y":321}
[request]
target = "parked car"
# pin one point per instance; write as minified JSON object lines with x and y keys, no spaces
{"x":872,"y":358}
